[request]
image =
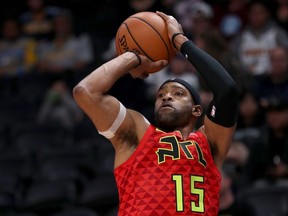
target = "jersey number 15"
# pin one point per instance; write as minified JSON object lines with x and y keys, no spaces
{"x":195,"y":207}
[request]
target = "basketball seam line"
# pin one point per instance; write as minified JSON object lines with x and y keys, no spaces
{"x":136,"y":42}
{"x":143,"y":20}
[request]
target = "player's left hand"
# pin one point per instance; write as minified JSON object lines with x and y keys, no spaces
{"x":173,"y":25}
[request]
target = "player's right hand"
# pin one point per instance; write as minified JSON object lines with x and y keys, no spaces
{"x":146,"y":67}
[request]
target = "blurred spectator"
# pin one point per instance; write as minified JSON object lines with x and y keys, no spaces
{"x":110,"y":52}
{"x":59,"y":108}
{"x":281,"y":13}
{"x":183,"y":12}
{"x":250,"y":120}
{"x":268,"y":159}
{"x":214,"y":43}
{"x":168,"y":6}
{"x":202,"y":15}
{"x":129,"y":7}
{"x":230,"y":16}
{"x":276,"y":81}
{"x":237,"y":157}
{"x":37,"y":21}
{"x":250,"y":113}
{"x":66,"y":53}
{"x":17,"y":54}
{"x":141,"y":5}
{"x":260,"y":35}
{"x":227,"y":196}
{"x":229,"y":204}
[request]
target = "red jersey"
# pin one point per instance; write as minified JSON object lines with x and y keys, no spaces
{"x":167,"y":175}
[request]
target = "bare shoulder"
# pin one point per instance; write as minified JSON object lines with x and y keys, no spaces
{"x":132,"y":130}
{"x":141,"y":123}
{"x":129,"y":135}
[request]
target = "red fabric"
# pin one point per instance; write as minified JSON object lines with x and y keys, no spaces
{"x":147,"y":180}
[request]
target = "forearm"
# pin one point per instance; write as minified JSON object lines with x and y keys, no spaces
{"x":212,"y":72}
{"x":102,"y":79}
{"x":225,"y":94}
{"x":90,"y":93}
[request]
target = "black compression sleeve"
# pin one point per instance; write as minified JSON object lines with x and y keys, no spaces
{"x":223,"y":109}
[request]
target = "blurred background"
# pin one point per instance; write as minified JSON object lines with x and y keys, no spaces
{"x":52,"y":160}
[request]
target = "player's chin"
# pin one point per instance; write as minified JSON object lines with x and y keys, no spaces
{"x":164,"y":115}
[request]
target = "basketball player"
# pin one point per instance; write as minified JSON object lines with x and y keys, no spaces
{"x":166,"y":169}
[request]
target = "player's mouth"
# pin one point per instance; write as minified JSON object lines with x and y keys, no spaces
{"x":166,"y":106}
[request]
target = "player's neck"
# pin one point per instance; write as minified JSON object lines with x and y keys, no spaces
{"x":185,"y":132}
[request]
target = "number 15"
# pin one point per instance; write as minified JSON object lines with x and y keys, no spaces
{"x":195,"y":207}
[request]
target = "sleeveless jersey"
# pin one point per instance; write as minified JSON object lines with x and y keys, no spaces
{"x":167,"y":175}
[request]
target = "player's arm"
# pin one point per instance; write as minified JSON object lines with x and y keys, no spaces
{"x":220,"y":119}
{"x":109,"y":116}
{"x":221,"y":116}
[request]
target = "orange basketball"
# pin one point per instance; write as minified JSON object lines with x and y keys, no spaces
{"x":145,"y":33}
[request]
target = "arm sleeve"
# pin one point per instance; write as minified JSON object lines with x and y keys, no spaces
{"x":223,"y":109}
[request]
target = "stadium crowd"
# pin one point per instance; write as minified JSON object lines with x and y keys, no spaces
{"x":52,"y":160}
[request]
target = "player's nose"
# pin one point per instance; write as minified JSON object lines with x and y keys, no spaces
{"x":167,"y":97}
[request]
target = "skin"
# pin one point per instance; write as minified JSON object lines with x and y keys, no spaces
{"x":172,"y":99}
{"x":173,"y":109}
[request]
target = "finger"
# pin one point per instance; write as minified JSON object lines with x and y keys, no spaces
{"x":163,"y":15}
{"x":166,"y":17}
{"x":133,"y":76}
{"x":145,"y":75}
{"x":133,"y":73}
{"x":157,"y":66}
{"x":161,"y":63}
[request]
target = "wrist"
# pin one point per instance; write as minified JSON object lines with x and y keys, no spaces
{"x":134,"y":58}
{"x":178,"y":39}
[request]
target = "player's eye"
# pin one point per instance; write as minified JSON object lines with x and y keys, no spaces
{"x":178,"y":93}
{"x":160,"y":95}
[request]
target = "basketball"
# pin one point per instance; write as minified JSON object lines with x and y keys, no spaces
{"x":145,"y":33}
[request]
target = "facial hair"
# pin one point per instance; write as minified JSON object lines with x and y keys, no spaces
{"x":173,"y":120}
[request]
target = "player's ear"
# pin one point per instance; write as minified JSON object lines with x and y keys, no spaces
{"x":197,"y":110}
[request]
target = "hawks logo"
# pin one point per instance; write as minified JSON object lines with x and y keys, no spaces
{"x":173,"y":150}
